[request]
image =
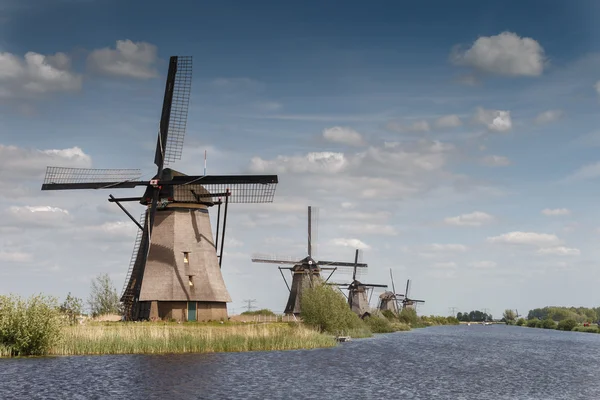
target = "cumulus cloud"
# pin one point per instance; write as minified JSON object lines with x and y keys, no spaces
{"x":556,"y":211}
{"x":31,"y":163}
{"x":391,"y":170}
{"x":505,"y":54}
{"x":476,"y":218}
{"x":338,"y":134}
{"x":448,"y":121}
{"x":128,"y":59}
{"x":494,"y":120}
{"x":526,"y":238}
{"x":370,"y":229}
{"x":559,"y":251}
{"x":39,"y":216}
{"x":354,"y":243}
{"x":36,"y":74}
{"x":449,"y":247}
{"x":548,"y":116}
{"x":495,"y":161}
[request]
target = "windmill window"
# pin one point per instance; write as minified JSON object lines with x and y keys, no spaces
{"x":190,"y":280}
{"x":186,"y":258}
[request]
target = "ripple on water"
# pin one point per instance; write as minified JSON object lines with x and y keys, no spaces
{"x":465,"y":362}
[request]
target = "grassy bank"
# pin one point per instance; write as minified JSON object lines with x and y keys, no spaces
{"x":157,"y":338}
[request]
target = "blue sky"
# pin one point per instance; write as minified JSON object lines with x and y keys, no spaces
{"x":457,"y":144}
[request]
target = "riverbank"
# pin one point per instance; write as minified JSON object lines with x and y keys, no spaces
{"x":160,"y":338}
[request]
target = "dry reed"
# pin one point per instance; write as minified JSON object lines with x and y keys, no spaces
{"x":156,"y":338}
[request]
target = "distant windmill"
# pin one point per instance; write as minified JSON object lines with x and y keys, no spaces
{"x":175,"y":271}
{"x":357,"y":292}
{"x":306,"y":272}
{"x":407,"y":302}
{"x":517,"y":313}
{"x":390,"y":300}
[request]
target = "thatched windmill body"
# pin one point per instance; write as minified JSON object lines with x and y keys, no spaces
{"x":175,"y":269}
{"x":358,"y":298}
{"x":306,"y":272}
{"x":390,"y":300}
{"x":408,"y":302}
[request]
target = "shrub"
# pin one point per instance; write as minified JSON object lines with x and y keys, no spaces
{"x":567,"y":324}
{"x":29,"y":327}
{"x":409,"y":316}
{"x":532,"y":323}
{"x":379,"y":324}
{"x":400,"y":327}
{"x":389,"y":314}
{"x":452,"y":321}
{"x":548,"y":324}
{"x":326,"y":309}
{"x":521,"y":322}
{"x":264,"y":311}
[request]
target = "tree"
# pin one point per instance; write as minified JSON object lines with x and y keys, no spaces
{"x":326,"y":309}
{"x":103,"y":297}
{"x":71,"y":307}
{"x":509,"y":316}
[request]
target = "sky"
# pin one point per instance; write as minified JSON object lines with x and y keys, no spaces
{"x":453,"y":144}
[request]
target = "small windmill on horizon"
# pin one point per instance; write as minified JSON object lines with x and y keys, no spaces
{"x":358,"y":300}
{"x":175,"y":268}
{"x":306,"y":272}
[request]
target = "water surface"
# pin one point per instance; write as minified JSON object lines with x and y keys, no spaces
{"x":465,"y":362}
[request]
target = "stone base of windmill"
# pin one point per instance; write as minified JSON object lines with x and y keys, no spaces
{"x":202,"y":311}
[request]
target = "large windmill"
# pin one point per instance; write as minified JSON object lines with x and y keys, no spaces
{"x":306,"y":272}
{"x":175,"y":271}
{"x":357,"y":292}
{"x":390,"y":300}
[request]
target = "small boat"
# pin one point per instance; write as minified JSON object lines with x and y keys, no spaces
{"x":343,"y":338}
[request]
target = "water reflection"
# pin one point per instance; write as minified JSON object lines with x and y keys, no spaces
{"x":496,"y":362}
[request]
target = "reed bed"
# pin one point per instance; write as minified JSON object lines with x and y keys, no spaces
{"x":136,"y":338}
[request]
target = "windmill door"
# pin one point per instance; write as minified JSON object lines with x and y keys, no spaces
{"x":191,"y":311}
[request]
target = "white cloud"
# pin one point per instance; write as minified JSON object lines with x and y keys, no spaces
{"x":526,"y":238}
{"x":444,"y":265}
{"x":338,"y":134}
{"x":548,"y":116}
{"x":392,"y":170}
{"x":503,"y":54}
{"x":448,"y":121}
{"x":449,"y":247}
{"x":40,"y":216}
{"x":494,"y":120}
{"x":476,"y":218}
{"x":417,"y":126}
{"x":483,"y":264}
{"x":123,"y":229}
{"x":31,"y":163}
{"x":15,"y":257}
{"x":315,"y":162}
{"x":559,"y":251}
{"x":597,"y":87}
{"x":128,"y":59}
{"x":347,"y":205}
{"x":354,"y":243}
{"x":590,"y":171}
{"x":36,"y":74}
{"x":556,"y":211}
{"x":370,"y":229}
{"x":496,"y":161}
